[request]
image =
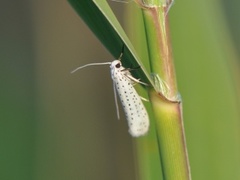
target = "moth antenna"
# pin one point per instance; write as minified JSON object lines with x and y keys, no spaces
{"x":116,"y":101}
{"x":90,"y":64}
{"x":120,"y":57}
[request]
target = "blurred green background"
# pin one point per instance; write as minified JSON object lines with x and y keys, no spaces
{"x":57,"y":125}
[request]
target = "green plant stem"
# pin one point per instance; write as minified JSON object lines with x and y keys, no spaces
{"x":165,"y":103}
{"x":159,"y":46}
{"x":171,"y":138}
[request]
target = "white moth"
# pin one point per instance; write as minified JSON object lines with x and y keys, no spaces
{"x":123,"y":81}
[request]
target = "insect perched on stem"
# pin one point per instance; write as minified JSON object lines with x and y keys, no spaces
{"x":123,"y":81}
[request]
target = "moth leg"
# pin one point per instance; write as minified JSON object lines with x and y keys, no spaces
{"x":144,"y":99}
{"x":136,"y":80}
{"x":131,"y":69}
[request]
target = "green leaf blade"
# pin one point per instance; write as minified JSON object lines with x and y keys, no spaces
{"x":102,"y":21}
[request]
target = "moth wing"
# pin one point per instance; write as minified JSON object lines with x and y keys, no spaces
{"x":135,"y":111}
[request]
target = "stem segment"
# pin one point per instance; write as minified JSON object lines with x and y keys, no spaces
{"x":171,"y":138}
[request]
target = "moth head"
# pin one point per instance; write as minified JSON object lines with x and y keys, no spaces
{"x":116,"y":64}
